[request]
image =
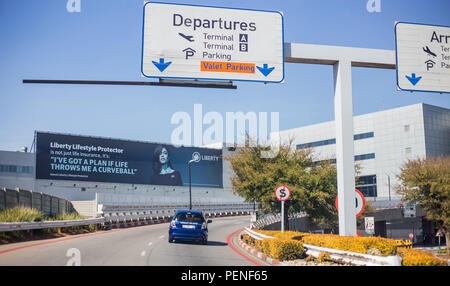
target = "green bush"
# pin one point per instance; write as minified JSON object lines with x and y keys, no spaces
{"x":21,"y":214}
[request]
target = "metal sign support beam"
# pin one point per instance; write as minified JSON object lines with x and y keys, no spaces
{"x":342,"y":59}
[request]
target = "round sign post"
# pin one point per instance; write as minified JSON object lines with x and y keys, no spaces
{"x":282,"y":193}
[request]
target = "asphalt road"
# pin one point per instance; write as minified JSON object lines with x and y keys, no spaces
{"x":137,"y":246}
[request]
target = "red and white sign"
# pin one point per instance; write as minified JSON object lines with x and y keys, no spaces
{"x":411,"y":236}
{"x":360,"y":203}
{"x":282,"y":193}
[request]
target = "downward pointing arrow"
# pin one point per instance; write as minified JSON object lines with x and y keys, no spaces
{"x":265,"y":70}
{"x":161,"y":65}
{"x":413,"y":79}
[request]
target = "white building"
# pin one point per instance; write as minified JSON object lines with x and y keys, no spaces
{"x":384,"y":141}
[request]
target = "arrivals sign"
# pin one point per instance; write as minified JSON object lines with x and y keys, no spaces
{"x":203,"y":42}
{"x":93,"y":159}
{"x":423,"y":57}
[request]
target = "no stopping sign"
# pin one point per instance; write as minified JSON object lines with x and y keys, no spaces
{"x":282,"y":193}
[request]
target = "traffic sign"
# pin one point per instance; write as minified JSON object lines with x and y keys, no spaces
{"x":411,"y":236}
{"x":422,"y":57}
{"x":360,"y":203}
{"x":203,"y":42}
{"x":282,"y":193}
{"x":369,"y":223}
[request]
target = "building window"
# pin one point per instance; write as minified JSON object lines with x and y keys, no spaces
{"x":363,"y":136}
{"x":367,"y":185}
{"x":316,"y":144}
{"x":408,"y":150}
{"x":406,"y":128}
{"x":365,"y":157}
{"x":333,"y":141}
{"x":357,"y":158}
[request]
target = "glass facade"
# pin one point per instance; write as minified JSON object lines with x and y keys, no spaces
{"x":333,"y":141}
{"x":367,"y":185}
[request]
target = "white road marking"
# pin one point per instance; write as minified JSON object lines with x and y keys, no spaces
{"x":150,"y":243}
{"x":161,"y":237}
{"x":143,"y":253}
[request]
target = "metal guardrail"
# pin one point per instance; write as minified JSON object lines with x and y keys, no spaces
{"x":256,"y":235}
{"x":269,"y":219}
{"x":14,"y":226}
{"x":131,"y":216}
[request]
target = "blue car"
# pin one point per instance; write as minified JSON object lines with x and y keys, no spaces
{"x":189,"y":225}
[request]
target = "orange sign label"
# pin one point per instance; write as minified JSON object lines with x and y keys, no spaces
{"x":227,"y":67}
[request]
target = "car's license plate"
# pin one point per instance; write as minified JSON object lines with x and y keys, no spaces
{"x":189,"y":226}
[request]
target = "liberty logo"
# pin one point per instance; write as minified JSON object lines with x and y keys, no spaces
{"x":196,"y":157}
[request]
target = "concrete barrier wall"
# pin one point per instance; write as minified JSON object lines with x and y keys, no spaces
{"x":49,"y":205}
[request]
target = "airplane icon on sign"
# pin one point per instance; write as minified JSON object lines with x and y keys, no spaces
{"x":427,"y":50}
{"x":189,"y":38}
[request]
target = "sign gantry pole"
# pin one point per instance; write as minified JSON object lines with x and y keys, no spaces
{"x":342,"y":59}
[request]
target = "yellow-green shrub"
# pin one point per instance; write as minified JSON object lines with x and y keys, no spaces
{"x":413,"y":257}
{"x":323,"y":257}
{"x":352,"y":244}
{"x":282,"y":249}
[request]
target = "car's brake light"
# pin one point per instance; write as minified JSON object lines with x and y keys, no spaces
{"x":172,"y":223}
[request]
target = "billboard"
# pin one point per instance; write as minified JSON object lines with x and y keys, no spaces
{"x":79,"y":158}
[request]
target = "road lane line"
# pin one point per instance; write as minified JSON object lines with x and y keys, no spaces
{"x":143,"y":253}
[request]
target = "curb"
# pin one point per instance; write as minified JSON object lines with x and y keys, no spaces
{"x":257,"y":253}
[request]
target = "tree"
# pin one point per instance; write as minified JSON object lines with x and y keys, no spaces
{"x":313,"y":186}
{"x":426,"y":182}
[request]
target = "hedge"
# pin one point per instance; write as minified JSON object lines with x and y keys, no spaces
{"x":413,"y":257}
{"x":366,"y":245}
{"x":280,"y":249}
{"x":353,"y":244}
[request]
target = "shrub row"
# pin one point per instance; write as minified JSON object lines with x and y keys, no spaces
{"x":366,"y":245}
{"x":413,"y":257}
{"x":353,"y":244}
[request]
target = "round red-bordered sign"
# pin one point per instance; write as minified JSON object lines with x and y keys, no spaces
{"x":363,"y":204}
{"x":282,"y":193}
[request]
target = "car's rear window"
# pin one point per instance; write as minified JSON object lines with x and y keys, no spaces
{"x":189,"y":217}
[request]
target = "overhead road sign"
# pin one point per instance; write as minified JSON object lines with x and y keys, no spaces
{"x":423,"y":57}
{"x":212,"y":43}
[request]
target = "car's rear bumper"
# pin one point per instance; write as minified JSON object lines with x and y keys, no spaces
{"x":175,"y":234}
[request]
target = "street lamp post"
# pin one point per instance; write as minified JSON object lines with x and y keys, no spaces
{"x":389,"y":185}
{"x":190,"y":184}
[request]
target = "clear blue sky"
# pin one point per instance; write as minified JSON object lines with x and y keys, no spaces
{"x":41,"y":40}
